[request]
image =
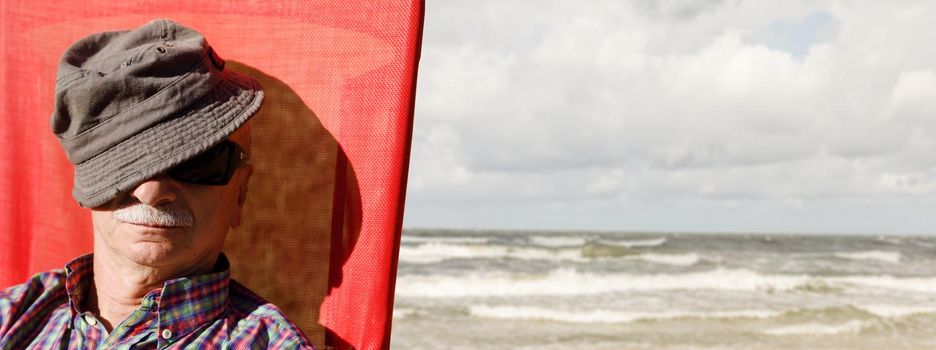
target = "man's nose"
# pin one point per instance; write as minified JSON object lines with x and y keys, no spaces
{"x":155,"y":191}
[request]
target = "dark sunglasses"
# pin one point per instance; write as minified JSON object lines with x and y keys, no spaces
{"x":213,"y":167}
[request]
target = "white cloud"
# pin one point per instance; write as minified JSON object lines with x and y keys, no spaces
{"x":549,"y":104}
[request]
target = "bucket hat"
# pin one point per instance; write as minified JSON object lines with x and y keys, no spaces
{"x":132,"y":104}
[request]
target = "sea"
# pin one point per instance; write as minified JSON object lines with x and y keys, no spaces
{"x":479,"y":289}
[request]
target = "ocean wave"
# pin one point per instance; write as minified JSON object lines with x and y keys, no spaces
{"x":605,"y":316}
{"x":877,"y":255}
{"x":407,"y":239}
{"x":559,"y":241}
{"x":429,"y":253}
{"x":521,"y":312}
{"x":438,"y":252}
{"x":897,"y":311}
{"x":862,"y":311}
{"x":640,"y":243}
{"x":813,"y":328}
{"x":404,"y":312}
{"x":670,"y":259}
{"x":912,"y":284}
{"x":572,"y":282}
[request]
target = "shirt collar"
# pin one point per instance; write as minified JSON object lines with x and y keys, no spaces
{"x":78,"y":277}
{"x":183,"y":304}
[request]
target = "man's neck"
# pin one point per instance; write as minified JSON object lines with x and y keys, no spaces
{"x":120,"y":286}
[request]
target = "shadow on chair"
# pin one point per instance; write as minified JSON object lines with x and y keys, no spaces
{"x":303,"y":212}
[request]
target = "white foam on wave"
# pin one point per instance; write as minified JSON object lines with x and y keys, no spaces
{"x":444,"y":239}
{"x":404,"y":312}
{"x":559,"y":241}
{"x":571,"y":282}
{"x":850,"y":327}
{"x":911,"y":284}
{"x":604,"y":316}
{"x":640,"y":243}
{"x":670,"y":259}
{"x":897,"y":311}
{"x":429,"y":253}
{"x":520,"y":312}
{"x":877,"y":255}
{"x":437,"y":252}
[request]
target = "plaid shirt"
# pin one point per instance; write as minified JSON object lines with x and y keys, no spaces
{"x":209,"y":311}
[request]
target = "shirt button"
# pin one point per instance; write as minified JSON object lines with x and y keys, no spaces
{"x":90,"y":319}
{"x":166,"y":334}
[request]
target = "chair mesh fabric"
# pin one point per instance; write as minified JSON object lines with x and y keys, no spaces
{"x":323,"y":217}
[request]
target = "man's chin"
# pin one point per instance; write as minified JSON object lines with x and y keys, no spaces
{"x":152,"y":253}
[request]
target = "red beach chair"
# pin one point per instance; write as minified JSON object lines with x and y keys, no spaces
{"x":331,"y":148}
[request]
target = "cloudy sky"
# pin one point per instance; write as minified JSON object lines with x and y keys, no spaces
{"x":667,"y":115}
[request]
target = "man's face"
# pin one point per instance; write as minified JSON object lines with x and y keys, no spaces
{"x":168,"y":224}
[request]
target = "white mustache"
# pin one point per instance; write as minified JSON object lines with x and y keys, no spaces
{"x":142,"y":214}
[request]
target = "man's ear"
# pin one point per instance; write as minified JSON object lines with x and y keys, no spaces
{"x":242,"y":180}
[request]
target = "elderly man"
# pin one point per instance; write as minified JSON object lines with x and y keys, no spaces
{"x":156,"y":129}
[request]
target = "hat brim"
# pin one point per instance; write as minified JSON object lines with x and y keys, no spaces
{"x":154,"y":150}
